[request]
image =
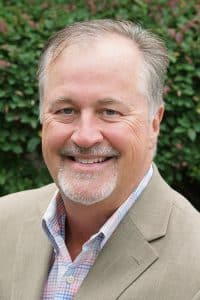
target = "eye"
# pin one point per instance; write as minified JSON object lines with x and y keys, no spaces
{"x":66,"y":111}
{"x":110,"y":112}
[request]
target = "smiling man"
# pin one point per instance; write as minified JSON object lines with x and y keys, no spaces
{"x":112,"y":227}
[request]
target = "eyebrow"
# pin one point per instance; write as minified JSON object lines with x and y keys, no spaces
{"x":66,"y":100}
{"x":110,"y":101}
{"x":104,"y":101}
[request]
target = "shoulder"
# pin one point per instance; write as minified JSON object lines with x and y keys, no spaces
{"x":186,"y":218}
{"x":27,"y":201}
{"x":181,"y":209}
{"x":182,"y":238}
{"x":161,"y":211}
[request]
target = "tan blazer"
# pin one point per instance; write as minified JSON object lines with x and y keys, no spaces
{"x":153,"y":255}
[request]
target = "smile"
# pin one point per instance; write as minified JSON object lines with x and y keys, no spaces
{"x":89,"y":160}
{"x":89,"y":164}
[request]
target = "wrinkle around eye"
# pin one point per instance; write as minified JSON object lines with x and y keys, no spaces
{"x":52,"y":118}
{"x":47,"y":117}
{"x":136,"y":125}
{"x":48,"y":120}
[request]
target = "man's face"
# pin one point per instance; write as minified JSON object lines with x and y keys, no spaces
{"x":97,"y":138}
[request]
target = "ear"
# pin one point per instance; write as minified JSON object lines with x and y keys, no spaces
{"x":155,"y":124}
{"x":157,"y":119}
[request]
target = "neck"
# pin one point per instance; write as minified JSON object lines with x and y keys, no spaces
{"x":84,"y":221}
{"x":79,"y":229}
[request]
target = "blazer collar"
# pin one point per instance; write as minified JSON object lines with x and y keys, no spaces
{"x":152,"y":210}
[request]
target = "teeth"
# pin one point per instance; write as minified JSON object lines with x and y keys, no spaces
{"x":90,"y":161}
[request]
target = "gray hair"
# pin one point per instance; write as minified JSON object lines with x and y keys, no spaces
{"x":151,"y":46}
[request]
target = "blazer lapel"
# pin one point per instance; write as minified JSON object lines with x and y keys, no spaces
{"x":126,"y":255}
{"x":32,"y":257}
{"x":152,"y":210}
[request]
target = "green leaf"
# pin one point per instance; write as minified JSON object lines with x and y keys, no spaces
{"x":17,"y":149}
{"x":179,"y":130}
{"x":32,"y":144}
{"x":192,"y":134}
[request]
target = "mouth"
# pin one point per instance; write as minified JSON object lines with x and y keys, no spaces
{"x":90,"y":160}
{"x":85,"y":164}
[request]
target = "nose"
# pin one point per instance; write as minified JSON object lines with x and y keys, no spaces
{"x":87,"y":132}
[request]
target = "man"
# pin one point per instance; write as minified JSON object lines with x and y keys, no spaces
{"x":112,"y":228}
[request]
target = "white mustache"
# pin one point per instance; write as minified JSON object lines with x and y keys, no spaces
{"x":95,"y":151}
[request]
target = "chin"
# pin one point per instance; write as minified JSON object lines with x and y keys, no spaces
{"x":86,"y":192}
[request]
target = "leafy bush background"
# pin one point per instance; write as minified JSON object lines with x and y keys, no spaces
{"x":25,"y":27}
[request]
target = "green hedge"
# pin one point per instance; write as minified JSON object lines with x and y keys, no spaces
{"x":25,"y":27}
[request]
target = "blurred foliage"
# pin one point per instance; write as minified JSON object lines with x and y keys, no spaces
{"x":24,"y":29}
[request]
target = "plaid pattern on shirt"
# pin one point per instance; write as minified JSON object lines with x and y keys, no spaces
{"x":65,"y":277}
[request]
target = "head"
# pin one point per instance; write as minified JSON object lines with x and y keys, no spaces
{"x":101,"y":85}
{"x":153,"y":49}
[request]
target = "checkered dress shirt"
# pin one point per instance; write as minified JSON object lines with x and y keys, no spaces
{"x":66,"y":276}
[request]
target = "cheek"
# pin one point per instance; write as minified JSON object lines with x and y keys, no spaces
{"x":128,"y":136}
{"x":54,"y":137}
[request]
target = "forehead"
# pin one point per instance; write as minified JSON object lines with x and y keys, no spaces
{"x":101,"y":50}
{"x":105,"y":63}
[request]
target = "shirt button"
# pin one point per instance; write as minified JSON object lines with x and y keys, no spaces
{"x":70,"y":279}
